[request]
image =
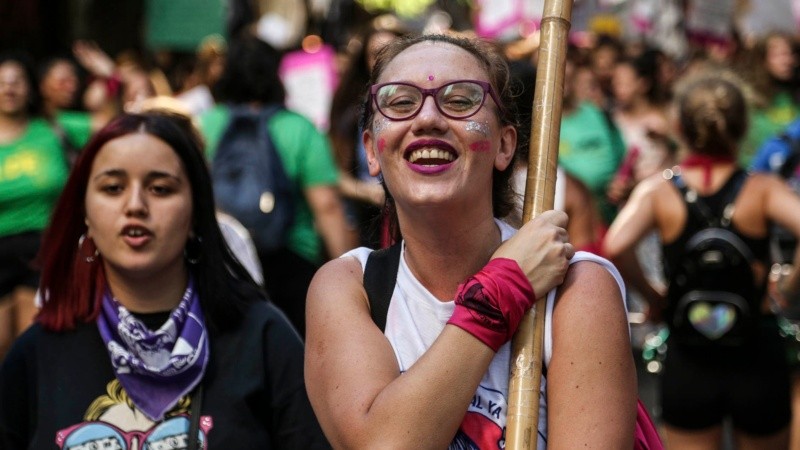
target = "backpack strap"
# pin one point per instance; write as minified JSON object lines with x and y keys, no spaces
{"x":380,"y":277}
{"x":696,"y":204}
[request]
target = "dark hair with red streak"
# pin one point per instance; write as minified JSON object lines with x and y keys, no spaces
{"x":72,"y":286}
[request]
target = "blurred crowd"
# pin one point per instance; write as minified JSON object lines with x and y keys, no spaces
{"x":619,"y":127}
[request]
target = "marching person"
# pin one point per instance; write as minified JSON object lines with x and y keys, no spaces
{"x":725,"y":358}
{"x":33,"y":169}
{"x":150,"y":329}
{"x":437,"y":129}
{"x":318,"y":230}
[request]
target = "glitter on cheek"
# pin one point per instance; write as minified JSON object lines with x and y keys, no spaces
{"x":480,"y":146}
{"x":478,"y":127}
{"x":378,"y":125}
{"x":381,"y":145}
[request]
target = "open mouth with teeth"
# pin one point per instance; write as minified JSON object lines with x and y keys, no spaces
{"x":134,"y":232}
{"x":430,"y":157}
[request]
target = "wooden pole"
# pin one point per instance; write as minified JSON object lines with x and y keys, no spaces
{"x":527,"y":347}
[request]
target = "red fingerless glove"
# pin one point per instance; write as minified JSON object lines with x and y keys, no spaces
{"x":491,"y":303}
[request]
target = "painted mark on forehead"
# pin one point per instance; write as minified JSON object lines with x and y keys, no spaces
{"x":478,"y":127}
{"x":431,"y":77}
{"x":481,"y":146}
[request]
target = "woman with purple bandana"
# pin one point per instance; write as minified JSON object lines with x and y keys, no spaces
{"x":151,"y":333}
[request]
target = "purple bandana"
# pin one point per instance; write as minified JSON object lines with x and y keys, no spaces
{"x":156,"y":368}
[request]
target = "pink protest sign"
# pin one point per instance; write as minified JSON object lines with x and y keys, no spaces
{"x":499,"y":19}
{"x":310,"y":80}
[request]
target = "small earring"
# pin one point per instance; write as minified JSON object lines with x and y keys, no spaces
{"x":192,"y":252}
{"x":91,"y":258}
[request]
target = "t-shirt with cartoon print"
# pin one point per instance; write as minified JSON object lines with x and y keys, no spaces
{"x":58,"y":390}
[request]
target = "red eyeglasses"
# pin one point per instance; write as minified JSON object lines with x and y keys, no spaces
{"x":458,"y":99}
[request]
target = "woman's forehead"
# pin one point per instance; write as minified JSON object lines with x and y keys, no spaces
{"x":431,"y":61}
{"x":12,"y":66}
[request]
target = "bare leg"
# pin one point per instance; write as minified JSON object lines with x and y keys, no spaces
{"x":25,"y":308}
{"x":680,"y":439}
{"x":6,"y":324}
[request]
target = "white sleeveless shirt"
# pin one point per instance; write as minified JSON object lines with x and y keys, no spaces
{"x":416,"y":318}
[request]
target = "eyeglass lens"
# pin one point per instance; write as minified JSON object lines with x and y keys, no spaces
{"x":457,"y":100}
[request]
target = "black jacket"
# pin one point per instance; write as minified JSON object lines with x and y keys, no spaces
{"x":253,"y":388}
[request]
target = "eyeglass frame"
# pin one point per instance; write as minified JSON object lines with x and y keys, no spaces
{"x":487,"y":88}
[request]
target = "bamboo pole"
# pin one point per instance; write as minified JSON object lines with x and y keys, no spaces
{"x":527,"y":347}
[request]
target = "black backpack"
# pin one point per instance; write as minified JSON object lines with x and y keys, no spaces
{"x":249,"y":180}
{"x":714,"y":298}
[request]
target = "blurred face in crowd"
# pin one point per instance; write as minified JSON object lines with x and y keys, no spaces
{"x":14,"y":89}
{"x":376,"y":42}
{"x":215,"y":69}
{"x":139,"y":207}
{"x":604,"y":59}
{"x":137,"y":89}
{"x":586,"y":86}
{"x":625,"y":84}
{"x":429,"y":159}
{"x":60,"y":85}
{"x":780,"y":59}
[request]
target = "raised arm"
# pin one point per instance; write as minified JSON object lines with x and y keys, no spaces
{"x":326,"y":207}
{"x":636,"y":218}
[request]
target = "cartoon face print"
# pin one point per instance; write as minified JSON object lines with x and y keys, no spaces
{"x":113,"y":423}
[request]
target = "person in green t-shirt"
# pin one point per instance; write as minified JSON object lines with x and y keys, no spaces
{"x":33,"y":170}
{"x":59,"y":87}
{"x":771,"y":71}
{"x":591,"y":147}
{"x":319,"y":230}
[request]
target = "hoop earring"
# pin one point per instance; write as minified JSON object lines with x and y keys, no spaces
{"x":91,"y":258}
{"x":192,"y":252}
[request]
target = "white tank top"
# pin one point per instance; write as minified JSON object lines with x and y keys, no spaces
{"x":414,"y":321}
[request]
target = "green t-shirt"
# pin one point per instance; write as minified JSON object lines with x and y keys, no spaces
{"x":307,"y":159}
{"x":766,"y":123}
{"x":591,"y":151}
{"x":77,"y":126}
{"x":33,"y":170}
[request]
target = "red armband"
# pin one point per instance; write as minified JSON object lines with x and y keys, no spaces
{"x":491,"y":303}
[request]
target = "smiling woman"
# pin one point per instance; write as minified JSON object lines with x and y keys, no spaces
{"x":437,"y":128}
{"x":144,"y":303}
{"x":33,"y":170}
